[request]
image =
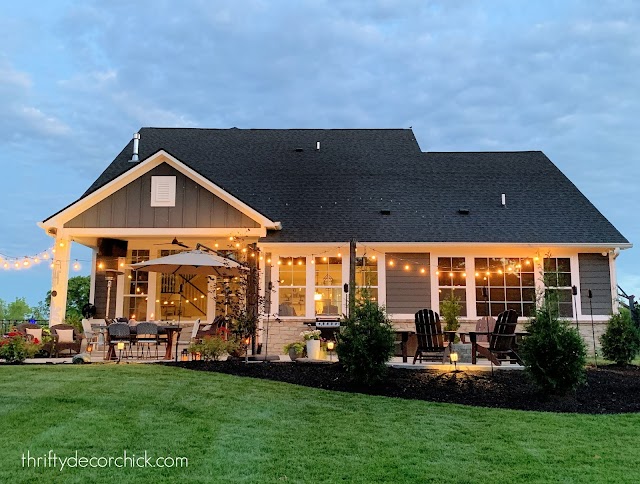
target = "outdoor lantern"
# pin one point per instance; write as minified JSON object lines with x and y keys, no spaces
{"x":120,"y":345}
{"x":89,"y":348}
{"x":185,"y":355}
{"x":454,"y":359}
{"x":331,"y":345}
{"x":198,"y":356}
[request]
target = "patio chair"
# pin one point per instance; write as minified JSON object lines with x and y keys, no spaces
{"x":484,"y":326}
{"x":119,"y":333}
{"x":147,"y":334}
{"x":501,"y":344}
{"x":89,"y":334}
{"x":65,"y":338}
{"x":431,"y":341}
{"x":194,"y":331}
{"x":32,"y":330}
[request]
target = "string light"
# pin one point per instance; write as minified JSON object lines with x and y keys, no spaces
{"x":76,"y":266}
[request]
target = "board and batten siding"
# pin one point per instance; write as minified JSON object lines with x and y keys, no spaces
{"x":130,"y":207}
{"x":407,"y":291}
{"x":595,"y":275}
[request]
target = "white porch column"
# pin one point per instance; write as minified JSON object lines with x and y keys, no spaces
{"x":59,"y":279}
{"x":92,"y":284}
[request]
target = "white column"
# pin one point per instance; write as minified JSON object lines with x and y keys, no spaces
{"x":470,"y":268}
{"x":59,"y":279}
{"x":92,"y":284}
{"x":615,"y":306}
{"x":310,"y":292}
{"x":119,"y":312}
{"x":151,"y":296}
{"x":575,"y":281}
{"x":382,"y":280}
{"x":345,"y":279}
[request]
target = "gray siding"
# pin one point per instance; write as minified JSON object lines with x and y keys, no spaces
{"x":408,"y":291}
{"x":130,"y":207}
{"x":595,"y":275}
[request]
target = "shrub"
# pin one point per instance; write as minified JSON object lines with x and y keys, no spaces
{"x":621,"y":340}
{"x":366,"y":342}
{"x":15,"y":348}
{"x":297,"y":347}
{"x":211,"y":347}
{"x":554,"y":354}
{"x":450,"y":310}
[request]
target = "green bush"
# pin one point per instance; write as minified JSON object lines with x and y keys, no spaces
{"x":554,"y":354}
{"x":621,"y":340}
{"x":211,"y":347}
{"x":366,"y":342}
{"x":450,"y":310}
{"x":15,"y":348}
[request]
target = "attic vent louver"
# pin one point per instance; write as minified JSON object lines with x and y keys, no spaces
{"x":463,"y":211}
{"x":385,"y":212}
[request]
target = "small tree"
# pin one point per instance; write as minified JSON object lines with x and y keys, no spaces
{"x":366,"y":341}
{"x":450,"y":310}
{"x":554,"y":354}
{"x":621,"y":340}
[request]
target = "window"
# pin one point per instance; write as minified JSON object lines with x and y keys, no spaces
{"x":367,"y":276}
{"x":292,"y":286}
{"x":557,"y":276}
{"x":137,"y":291}
{"x":452,"y":281}
{"x":163,"y":191}
{"x":503,"y":283}
{"x":328,"y":282}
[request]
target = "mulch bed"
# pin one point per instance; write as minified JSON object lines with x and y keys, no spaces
{"x":609,"y":389}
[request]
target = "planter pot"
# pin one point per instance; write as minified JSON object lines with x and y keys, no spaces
{"x":313,"y":349}
{"x":293,"y":355}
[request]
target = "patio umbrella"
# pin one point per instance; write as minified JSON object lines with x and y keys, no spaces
{"x":192,"y":262}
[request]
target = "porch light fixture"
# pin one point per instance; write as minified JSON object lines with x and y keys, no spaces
{"x":120,"y":345}
{"x":184,"y":355}
{"x":89,"y":348}
{"x":330,"y":346}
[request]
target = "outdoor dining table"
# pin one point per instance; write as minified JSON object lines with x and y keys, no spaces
{"x":171,"y":330}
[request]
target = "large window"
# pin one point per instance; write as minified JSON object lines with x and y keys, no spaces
{"x":504,"y":283}
{"x":452,"y":281}
{"x":367,"y":276}
{"x":137,"y":290}
{"x":557,"y":278}
{"x":328,"y":282}
{"x":292,"y":286}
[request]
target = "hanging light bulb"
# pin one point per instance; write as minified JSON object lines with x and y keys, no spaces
{"x":45,"y":256}
{"x":406,"y":267}
{"x":423,"y":270}
{"x":26,"y":263}
{"x":76,"y":266}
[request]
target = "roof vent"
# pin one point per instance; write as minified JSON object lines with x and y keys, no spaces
{"x":463,"y":211}
{"x":504,"y":200}
{"x":136,"y":140}
{"x":385,"y":212}
{"x":299,"y":150}
{"x":317,"y":145}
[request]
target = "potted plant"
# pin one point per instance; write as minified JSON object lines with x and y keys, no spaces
{"x":295,"y":350}
{"x":15,"y":347}
{"x":312,"y":338}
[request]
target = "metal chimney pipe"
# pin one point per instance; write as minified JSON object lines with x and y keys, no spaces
{"x":136,"y":141}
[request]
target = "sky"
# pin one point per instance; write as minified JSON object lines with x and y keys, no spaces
{"x":78,"y":78}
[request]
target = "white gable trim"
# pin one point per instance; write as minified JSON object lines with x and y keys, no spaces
{"x":140,"y":169}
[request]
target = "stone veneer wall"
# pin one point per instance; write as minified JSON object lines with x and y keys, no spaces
{"x":287,"y":331}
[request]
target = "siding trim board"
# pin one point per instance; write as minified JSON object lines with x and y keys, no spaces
{"x":407,"y":292}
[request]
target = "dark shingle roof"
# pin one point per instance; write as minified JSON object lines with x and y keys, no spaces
{"x":338,"y":192}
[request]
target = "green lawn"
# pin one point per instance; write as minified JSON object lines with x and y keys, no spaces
{"x":242,"y":430}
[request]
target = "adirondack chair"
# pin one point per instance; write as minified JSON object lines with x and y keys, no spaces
{"x":430,"y":336}
{"x":501,"y":341}
{"x":484,"y":327}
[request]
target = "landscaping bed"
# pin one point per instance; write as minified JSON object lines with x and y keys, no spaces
{"x":609,"y":389}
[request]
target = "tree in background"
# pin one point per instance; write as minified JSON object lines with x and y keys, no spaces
{"x":16,"y":310}
{"x":77,"y":296}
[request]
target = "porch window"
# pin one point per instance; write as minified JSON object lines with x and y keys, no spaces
{"x":504,"y":283}
{"x":292,"y":286}
{"x":557,"y":276}
{"x":367,"y":276}
{"x":328,"y":282}
{"x":452,"y":281}
{"x":137,"y":292}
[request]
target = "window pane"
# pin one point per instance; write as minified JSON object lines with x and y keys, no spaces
{"x":328,"y":302}
{"x":482,"y":309}
{"x":496,"y":294}
{"x":512,"y":279}
{"x":564,"y":265}
{"x":517,"y":307}
{"x":497,"y":308}
{"x":564,"y":279}
{"x":458,"y":264}
{"x":549,"y":265}
{"x":496,"y":265}
{"x":528,"y":295}
{"x":528,"y":309}
{"x":565,"y":310}
{"x":528,"y":280}
{"x":496,"y":279}
{"x":292,"y":301}
{"x":514,"y":294}
{"x":481,"y":264}
{"x":444,"y":264}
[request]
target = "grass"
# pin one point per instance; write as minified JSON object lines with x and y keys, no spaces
{"x":243,"y":430}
